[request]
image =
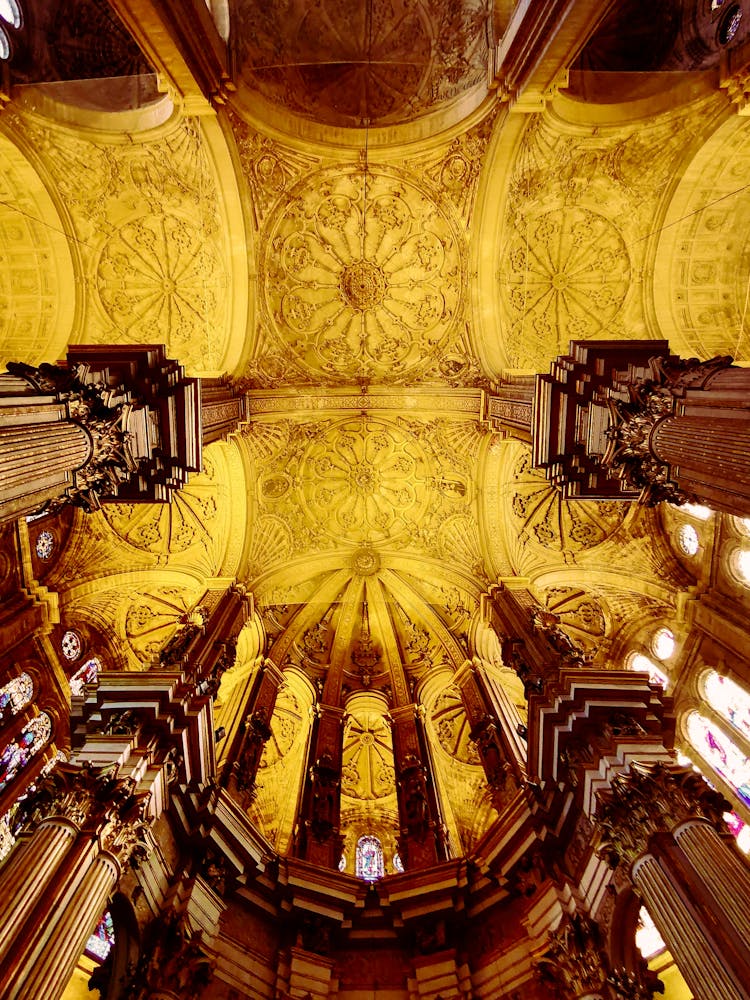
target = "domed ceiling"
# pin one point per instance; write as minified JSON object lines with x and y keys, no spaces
{"x":350,"y":63}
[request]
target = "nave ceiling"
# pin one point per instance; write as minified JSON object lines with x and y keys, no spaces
{"x":368,"y":291}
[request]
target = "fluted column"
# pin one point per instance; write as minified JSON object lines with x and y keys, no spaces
{"x":706,"y":451}
{"x":723,"y":873}
{"x":421,"y":842}
{"x":661,"y":820}
{"x":319,"y":840}
{"x":247,"y":746}
{"x":697,"y":956}
{"x":494,"y":730}
{"x":37,"y":460}
{"x":49,"y":967}
{"x":28,"y":872}
{"x":53,"y":890}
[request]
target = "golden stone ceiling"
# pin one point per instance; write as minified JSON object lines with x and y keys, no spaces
{"x":368,"y":288}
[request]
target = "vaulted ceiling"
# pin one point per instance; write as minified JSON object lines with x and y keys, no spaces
{"x":368,"y":239}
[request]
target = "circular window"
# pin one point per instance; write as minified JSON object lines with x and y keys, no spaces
{"x":729,"y":24}
{"x":742,"y":524}
{"x":687,"y":539}
{"x":45,"y":544}
{"x":740,"y":563}
{"x":10,"y":12}
{"x":662,"y":644}
{"x":71,"y":645}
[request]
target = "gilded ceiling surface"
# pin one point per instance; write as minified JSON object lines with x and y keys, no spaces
{"x":363,"y":275}
{"x":348,"y":63}
{"x":368,"y":299}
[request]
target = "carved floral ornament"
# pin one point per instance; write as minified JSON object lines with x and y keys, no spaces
{"x":90,"y":797}
{"x":575,"y":964}
{"x":563,"y":275}
{"x":649,"y":799}
{"x":174,"y":527}
{"x":362,"y":275}
{"x":557,"y":524}
{"x":166,"y":271}
{"x":364,"y":481}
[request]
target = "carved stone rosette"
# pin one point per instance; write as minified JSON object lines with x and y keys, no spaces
{"x":649,"y":799}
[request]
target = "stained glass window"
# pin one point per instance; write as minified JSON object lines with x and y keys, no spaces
{"x":7,"y":837}
{"x":647,"y":938}
{"x":4,"y":44}
{"x":19,"y":751}
{"x":87,"y":674}
{"x":15,"y":695}
{"x":10,"y":12}
{"x":729,"y":24}
{"x":369,"y":859}
{"x":398,"y":864}
{"x":729,"y":700}
{"x":45,"y":544}
{"x":718,"y":750}
{"x":739,"y":830}
{"x":662,"y":644}
{"x":637,"y":661}
{"x":101,"y":941}
{"x":342,"y":863}
{"x":741,"y":564}
{"x":687,"y":539}
{"x":71,"y":645}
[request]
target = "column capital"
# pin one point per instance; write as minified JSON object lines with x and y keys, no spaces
{"x":649,"y":799}
{"x":573,"y":964}
{"x":85,"y":796}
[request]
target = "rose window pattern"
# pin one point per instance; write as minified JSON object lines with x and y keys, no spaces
{"x":365,"y":480}
{"x":564,"y":276}
{"x":364,"y":280}
{"x":71,"y":645}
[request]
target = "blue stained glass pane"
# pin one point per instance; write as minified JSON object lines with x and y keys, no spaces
{"x":724,"y":757}
{"x":369,"y":859}
{"x":100,"y":943}
{"x":19,"y":751}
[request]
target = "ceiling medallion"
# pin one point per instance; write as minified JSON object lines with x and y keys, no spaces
{"x":362,"y":275}
{"x":365,"y":562}
{"x":365,"y":480}
{"x":362,"y":285}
